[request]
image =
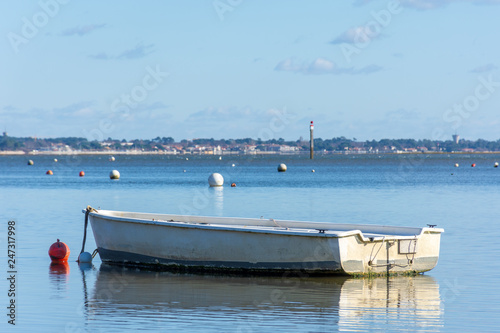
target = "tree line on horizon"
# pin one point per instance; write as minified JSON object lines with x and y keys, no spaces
{"x":335,"y":144}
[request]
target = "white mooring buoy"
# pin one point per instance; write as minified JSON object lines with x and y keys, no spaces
{"x":282,"y":167}
{"x":114,"y":174}
{"x":215,"y":179}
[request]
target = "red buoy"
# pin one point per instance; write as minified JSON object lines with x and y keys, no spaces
{"x":49,"y":172}
{"x":473,"y":165}
{"x":82,"y":173}
{"x":59,"y":252}
{"x":233,"y":184}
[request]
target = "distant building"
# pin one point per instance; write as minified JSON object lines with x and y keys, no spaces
{"x":456,"y":138}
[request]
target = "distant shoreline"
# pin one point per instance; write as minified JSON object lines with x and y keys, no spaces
{"x":118,"y":152}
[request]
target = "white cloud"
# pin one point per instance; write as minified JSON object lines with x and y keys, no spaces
{"x":214,"y":115}
{"x":9,"y":108}
{"x":355,"y":35}
{"x":394,"y":124}
{"x":84,"y":112}
{"x":52,"y":122}
{"x":240,"y":122}
{"x":100,"y":56}
{"x":361,"y":2}
{"x":288,"y":65}
{"x":367,"y":69}
{"x":156,"y":110}
{"x":139,"y":51}
{"x":80,"y":109}
{"x":432,"y":4}
{"x":82,"y":30}
{"x":425,"y":4}
{"x":401,"y":115}
{"x":321,"y":66}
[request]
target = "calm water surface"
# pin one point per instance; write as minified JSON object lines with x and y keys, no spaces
{"x":460,"y":294}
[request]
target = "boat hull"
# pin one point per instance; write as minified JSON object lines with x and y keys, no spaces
{"x":252,"y":245}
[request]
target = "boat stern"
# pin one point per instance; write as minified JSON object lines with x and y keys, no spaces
{"x":390,"y":254}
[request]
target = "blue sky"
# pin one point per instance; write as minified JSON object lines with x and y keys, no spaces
{"x":364,"y":69}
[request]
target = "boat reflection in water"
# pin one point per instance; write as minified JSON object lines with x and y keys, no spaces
{"x":406,"y":302}
{"x":137,"y":298}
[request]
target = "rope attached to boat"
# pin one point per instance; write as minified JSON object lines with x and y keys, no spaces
{"x":375,"y":256}
{"x":278,"y":225}
{"x":411,"y":261}
{"x":87,"y":212}
{"x":389,"y":264}
{"x":392,"y":264}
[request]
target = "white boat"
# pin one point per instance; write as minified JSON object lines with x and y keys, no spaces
{"x":266,"y":246}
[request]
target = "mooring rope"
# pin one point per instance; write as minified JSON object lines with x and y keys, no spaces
{"x":87,"y":212}
{"x":393,"y":264}
{"x":375,"y":256}
{"x":411,"y":261}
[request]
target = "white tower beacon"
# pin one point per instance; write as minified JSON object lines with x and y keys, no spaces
{"x":311,"y":144}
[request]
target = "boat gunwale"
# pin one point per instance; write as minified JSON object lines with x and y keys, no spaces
{"x":281,"y":230}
